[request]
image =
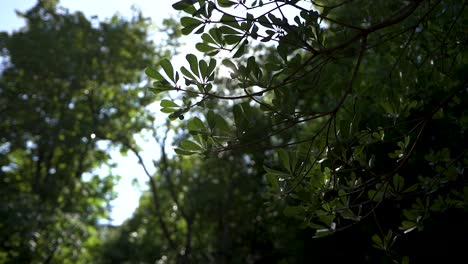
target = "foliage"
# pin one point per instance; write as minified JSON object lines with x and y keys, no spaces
{"x":338,"y":136}
{"x":67,"y":89}
{"x":210,"y":210}
{"x":355,"y":108}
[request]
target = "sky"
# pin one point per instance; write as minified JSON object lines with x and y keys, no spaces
{"x":128,"y":167}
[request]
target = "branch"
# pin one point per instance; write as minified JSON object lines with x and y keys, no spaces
{"x":164,"y":170}
{"x":156,"y":202}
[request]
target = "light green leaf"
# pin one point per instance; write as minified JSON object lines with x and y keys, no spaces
{"x":228,"y":63}
{"x":184,"y":152}
{"x":168,"y":110}
{"x":189,"y":145}
{"x":168,"y":103}
{"x":195,"y":124}
{"x":158,"y":90}
{"x":153,"y":73}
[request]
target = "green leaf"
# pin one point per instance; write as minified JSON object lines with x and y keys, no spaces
{"x":187,"y":73}
{"x":408,"y":226}
{"x":184,"y":152}
{"x":229,"y":30}
{"x":158,"y":90}
{"x":210,"y":117}
{"x":228,"y":63}
{"x":388,"y":239}
{"x":267,"y":38}
{"x":273,"y":67}
{"x":375,"y":195}
{"x":323,"y":233}
{"x":213,"y":53}
{"x":221,"y":124}
{"x":233,"y":39}
{"x":284,"y":157}
{"x":412,"y":188}
{"x":189,"y":21}
{"x":188,"y":29}
{"x":176,"y":114}
{"x":226,"y":3}
{"x":168,"y":103}
{"x":212,"y":66}
{"x":203,"y":68}
{"x":167,"y":66}
{"x":251,"y":64}
{"x":264,"y":21}
{"x":240,"y":51}
{"x":208,"y":39}
{"x":378,"y":243}
{"x":204,"y":47}
{"x":316,"y":226}
{"x":168,"y":110}
{"x":293,"y":211}
{"x":195,"y":124}
{"x":193,"y":62}
{"x":240,"y":118}
{"x":189,"y":145}
{"x":230,"y":21}
{"x":272,"y":181}
{"x":277,"y":173}
{"x":405,"y":260}
{"x":200,"y":30}
{"x":398,"y":183}
{"x":153,"y":73}
{"x":184,"y":4}
{"x":216,"y":34}
{"x":283,"y":51}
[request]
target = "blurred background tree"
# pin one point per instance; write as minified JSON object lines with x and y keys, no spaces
{"x":69,"y":88}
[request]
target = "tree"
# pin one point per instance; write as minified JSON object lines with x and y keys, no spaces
{"x":196,"y":211}
{"x":358,"y":110}
{"x":68,"y":87}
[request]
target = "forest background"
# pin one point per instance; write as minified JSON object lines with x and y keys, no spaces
{"x":282,"y":132}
